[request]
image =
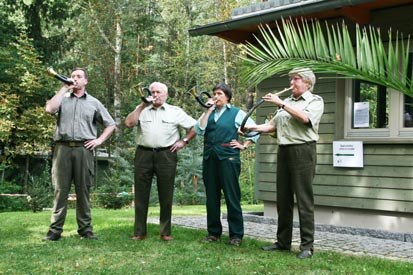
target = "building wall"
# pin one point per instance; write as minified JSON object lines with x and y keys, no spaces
{"x":378,"y":196}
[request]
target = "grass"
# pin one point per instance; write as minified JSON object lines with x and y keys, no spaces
{"x":23,"y":252}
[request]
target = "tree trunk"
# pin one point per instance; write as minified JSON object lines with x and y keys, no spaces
{"x":117,"y":72}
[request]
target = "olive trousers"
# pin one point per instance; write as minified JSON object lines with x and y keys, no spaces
{"x":295,"y":173}
{"x":72,"y":164}
{"x":148,"y":164}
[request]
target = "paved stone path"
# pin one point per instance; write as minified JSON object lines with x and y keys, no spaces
{"x":343,"y":243}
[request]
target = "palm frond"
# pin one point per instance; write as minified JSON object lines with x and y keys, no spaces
{"x":329,"y":50}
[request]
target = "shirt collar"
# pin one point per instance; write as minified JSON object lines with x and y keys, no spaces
{"x":164,"y":106}
{"x":84,"y":95}
{"x":305,"y":96}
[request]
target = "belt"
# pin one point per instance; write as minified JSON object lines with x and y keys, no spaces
{"x":298,"y":144}
{"x":159,"y":149}
{"x":226,"y":144}
{"x":71,"y":143}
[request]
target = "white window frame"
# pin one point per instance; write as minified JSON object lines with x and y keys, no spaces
{"x":395,"y":133}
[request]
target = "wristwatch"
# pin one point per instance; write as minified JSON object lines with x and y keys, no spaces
{"x":186,"y":140}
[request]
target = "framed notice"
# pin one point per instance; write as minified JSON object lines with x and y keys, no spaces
{"x":348,"y":154}
{"x":361,"y":115}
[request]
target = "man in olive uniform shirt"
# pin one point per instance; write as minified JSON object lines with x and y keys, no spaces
{"x":75,"y":138}
{"x":158,"y":142}
{"x":296,"y":121}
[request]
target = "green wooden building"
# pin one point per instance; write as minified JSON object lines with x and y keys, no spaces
{"x":378,"y":194}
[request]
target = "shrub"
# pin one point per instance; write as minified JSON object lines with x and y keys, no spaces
{"x":12,"y":203}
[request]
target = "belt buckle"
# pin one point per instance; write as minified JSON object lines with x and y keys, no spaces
{"x":72,"y":144}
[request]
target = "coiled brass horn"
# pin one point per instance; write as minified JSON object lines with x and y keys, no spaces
{"x":259,"y":102}
{"x":60,"y":77}
{"x":200,"y":97}
{"x":144,"y":93}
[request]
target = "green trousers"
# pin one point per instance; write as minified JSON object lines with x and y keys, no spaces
{"x":72,"y":164}
{"x":223,"y":175}
{"x":295,"y":173}
{"x":148,"y":164}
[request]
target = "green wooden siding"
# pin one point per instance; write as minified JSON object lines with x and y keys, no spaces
{"x":384,"y":183}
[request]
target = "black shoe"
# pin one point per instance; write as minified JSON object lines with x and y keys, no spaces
{"x":305,"y":254}
{"x":210,"y":239}
{"x":274,"y":247}
{"x":235,"y":242}
{"x":89,"y":235}
{"x":51,"y":236}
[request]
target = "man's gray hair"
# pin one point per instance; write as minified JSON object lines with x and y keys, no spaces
{"x":306,"y":74}
{"x":159,"y":86}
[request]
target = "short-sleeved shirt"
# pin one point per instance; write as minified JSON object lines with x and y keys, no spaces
{"x":237,"y":123}
{"x":290,"y":130}
{"x":78,"y":118}
{"x":159,"y":127}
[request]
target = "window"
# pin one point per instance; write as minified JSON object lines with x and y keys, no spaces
{"x":377,"y":114}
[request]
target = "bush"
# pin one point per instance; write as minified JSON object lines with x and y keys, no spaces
{"x":112,"y":197}
{"x":40,"y":191}
{"x":12,"y":203}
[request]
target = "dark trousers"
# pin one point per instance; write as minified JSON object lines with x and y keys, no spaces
{"x":72,"y":164}
{"x":295,"y":173}
{"x":161,"y":164}
{"x":223,"y":175}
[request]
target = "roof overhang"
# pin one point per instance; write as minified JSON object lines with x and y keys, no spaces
{"x":240,"y":29}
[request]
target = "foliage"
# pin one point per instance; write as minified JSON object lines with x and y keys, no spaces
{"x":111,"y":196}
{"x":247,"y":176}
{"x":295,"y":44}
{"x":114,"y":192}
{"x":40,"y":191}
{"x":8,"y":203}
{"x":23,"y":251}
{"x":189,"y":187}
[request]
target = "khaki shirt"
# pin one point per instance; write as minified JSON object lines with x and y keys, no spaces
{"x":159,"y":127}
{"x":290,"y":130}
{"x":78,"y":118}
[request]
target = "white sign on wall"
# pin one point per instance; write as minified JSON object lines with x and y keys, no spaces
{"x":361,"y":115}
{"x":348,"y":154}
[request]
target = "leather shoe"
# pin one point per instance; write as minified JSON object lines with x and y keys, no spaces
{"x":166,"y":238}
{"x":138,"y":238}
{"x":235,"y":242}
{"x":305,"y":254}
{"x":51,"y":236}
{"x":210,"y":239}
{"x":274,"y":247}
{"x":89,"y":235}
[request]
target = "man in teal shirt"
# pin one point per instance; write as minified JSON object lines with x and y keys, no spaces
{"x":222,"y":164}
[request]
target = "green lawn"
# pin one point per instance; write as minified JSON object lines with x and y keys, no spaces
{"x":23,"y":252}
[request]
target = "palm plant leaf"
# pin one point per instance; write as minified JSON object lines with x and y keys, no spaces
{"x":329,"y":50}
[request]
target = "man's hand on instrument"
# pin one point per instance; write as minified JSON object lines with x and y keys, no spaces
{"x":273,"y":98}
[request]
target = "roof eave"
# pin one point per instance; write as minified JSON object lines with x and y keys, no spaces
{"x":272,"y":15}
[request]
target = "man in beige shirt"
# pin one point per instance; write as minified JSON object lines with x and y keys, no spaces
{"x":158,"y":142}
{"x":296,"y":122}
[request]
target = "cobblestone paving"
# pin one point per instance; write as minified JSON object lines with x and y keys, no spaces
{"x":343,"y":243}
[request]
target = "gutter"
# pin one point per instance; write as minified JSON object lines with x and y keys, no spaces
{"x":265,"y":16}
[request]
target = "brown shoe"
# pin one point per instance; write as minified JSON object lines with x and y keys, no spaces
{"x":210,"y":239}
{"x":166,"y":238}
{"x":235,"y":242}
{"x":138,"y":238}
